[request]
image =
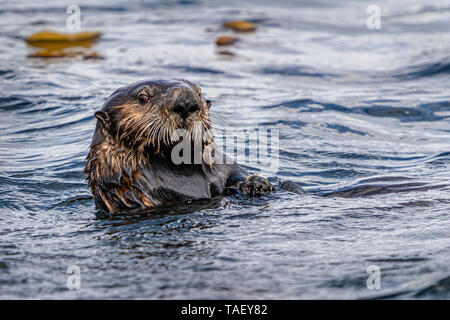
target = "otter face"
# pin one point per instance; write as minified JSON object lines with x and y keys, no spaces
{"x":149,"y":114}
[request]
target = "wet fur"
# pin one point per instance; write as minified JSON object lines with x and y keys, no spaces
{"x":129,"y":165}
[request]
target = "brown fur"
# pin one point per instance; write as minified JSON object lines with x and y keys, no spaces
{"x":109,"y":178}
{"x":128,"y":165}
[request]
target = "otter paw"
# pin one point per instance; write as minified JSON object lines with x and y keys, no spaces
{"x":256,"y":185}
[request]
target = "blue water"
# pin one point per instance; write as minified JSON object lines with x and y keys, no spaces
{"x":364,"y":120}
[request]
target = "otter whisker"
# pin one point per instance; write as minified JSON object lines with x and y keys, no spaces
{"x":198,"y":132}
{"x":151,"y":133}
{"x":150,"y":121}
{"x":129,"y":125}
{"x":219,"y":122}
{"x":155,"y":135}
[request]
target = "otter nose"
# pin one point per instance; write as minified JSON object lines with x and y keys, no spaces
{"x":185,"y":107}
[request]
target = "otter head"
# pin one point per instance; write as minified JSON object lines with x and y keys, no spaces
{"x":152,"y":116}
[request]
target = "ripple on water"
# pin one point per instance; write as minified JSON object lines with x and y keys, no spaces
{"x":364,"y":128}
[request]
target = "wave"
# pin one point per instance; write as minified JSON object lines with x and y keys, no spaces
{"x":15,"y":103}
{"x":383,"y":185}
{"x":423,"y":70}
{"x":295,"y":71}
{"x":422,"y":112}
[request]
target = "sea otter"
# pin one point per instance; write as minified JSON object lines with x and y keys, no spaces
{"x":130,"y":164}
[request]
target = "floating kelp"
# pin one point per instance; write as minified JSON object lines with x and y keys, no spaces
{"x":240,"y":26}
{"x":44,"y":39}
{"x":62,"y":45}
{"x":226,"y":53}
{"x":226,"y":40}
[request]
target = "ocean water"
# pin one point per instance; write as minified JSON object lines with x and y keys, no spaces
{"x":364,"y":127}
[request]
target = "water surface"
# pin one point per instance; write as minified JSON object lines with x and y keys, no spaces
{"x":364,"y":129}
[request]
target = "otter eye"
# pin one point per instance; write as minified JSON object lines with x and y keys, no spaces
{"x":143,"y":98}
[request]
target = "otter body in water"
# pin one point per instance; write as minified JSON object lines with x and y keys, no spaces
{"x":130,"y":163}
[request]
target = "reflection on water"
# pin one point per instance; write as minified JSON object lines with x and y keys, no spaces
{"x":364,"y":128}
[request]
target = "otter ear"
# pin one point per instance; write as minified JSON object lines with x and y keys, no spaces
{"x":101,"y":128}
{"x":208,"y":103}
{"x":103,"y":117}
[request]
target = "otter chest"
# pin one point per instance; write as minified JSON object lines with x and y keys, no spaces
{"x":166,"y":182}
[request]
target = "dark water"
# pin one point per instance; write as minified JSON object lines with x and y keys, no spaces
{"x":364,"y":128}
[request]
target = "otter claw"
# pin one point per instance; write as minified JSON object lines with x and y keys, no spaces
{"x":256,"y":185}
